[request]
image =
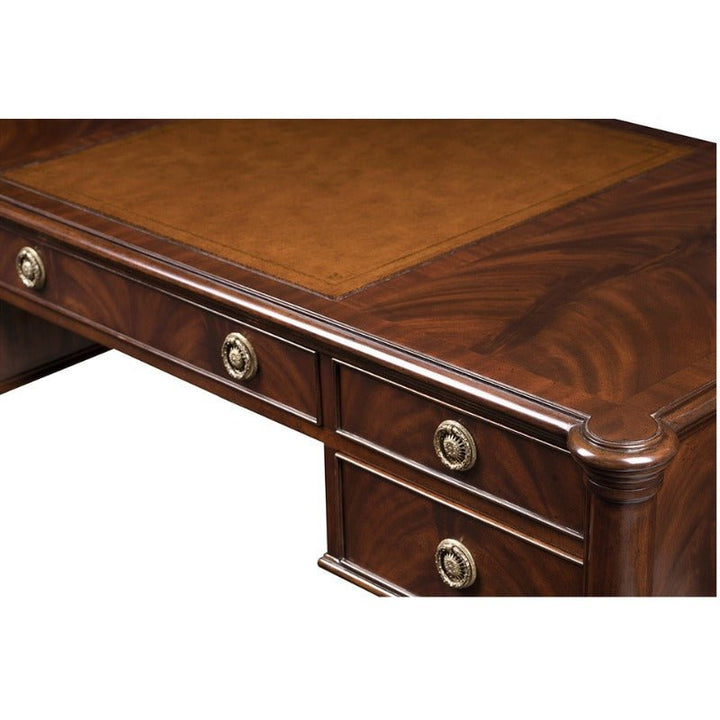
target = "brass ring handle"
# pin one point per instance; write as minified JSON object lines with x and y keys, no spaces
{"x":454,"y":445}
{"x":455,"y":564}
{"x":238,"y":356}
{"x":30,"y":268}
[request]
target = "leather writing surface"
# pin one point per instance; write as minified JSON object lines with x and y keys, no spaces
{"x":335,"y":205}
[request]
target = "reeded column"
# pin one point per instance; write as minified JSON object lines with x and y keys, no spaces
{"x":624,"y":459}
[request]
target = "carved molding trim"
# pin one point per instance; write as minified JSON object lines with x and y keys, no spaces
{"x":625,"y":471}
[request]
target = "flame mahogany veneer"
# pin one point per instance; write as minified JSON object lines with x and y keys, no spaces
{"x":550,"y":285}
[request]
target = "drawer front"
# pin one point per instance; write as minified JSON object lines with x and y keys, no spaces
{"x":508,"y":466}
{"x":392,"y":530}
{"x":175,"y":328}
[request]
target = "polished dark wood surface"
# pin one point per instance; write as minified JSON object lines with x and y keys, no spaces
{"x":686,"y":528}
{"x":581,"y":303}
{"x":31,"y":141}
{"x":180,"y":331}
{"x":578,"y":344}
{"x":456,"y":493}
{"x":31,"y":347}
{"x":392,"y":530}
{"x":510,"y":467}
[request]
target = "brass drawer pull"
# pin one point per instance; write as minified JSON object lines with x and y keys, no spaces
{"x":30,"y":268}
{"x":238,"y":356}
{"x":454,"y":445}
{"x":455,"y":564}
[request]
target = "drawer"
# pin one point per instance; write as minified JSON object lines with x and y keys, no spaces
{"x":391,"y":531}
{"x":508,"y":466}
{"x":166,"y":325}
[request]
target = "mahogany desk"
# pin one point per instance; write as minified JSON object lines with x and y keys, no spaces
{"x":503,"y":332}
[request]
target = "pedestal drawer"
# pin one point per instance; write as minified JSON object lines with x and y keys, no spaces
{"x":408,"y":425}
{"x":392,"y":531}
{"x":226,"y":350}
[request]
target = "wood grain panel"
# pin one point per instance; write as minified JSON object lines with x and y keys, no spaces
{"x":685,"y":554}
{"x":24,"y":141}
{"x":31,"y":347}
{"x":519,"y":520}
{"x":509,"y":466}
{"x":607,"y":296}
{"x":392,"y":531}
{"x":179,"y":330}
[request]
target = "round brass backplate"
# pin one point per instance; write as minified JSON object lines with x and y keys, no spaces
{"x":454,"y":445}
{"x":238,"y":356}
{"x":455,"y":564}
{"x":30,"y":268}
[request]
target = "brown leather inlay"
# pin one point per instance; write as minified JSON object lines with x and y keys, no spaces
{"x":334,"y":205}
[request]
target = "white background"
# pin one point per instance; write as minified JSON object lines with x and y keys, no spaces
{"x":158,"y":544}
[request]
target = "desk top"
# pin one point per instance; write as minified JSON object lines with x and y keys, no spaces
{"x":333,"y":206}
{"x":569,"y":262}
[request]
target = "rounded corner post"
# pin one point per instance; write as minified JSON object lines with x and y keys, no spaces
{"x":624,"y":460}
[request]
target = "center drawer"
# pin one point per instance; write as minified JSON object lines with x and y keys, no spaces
{"x":416,"y":429}
{"x":224,"y":350}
